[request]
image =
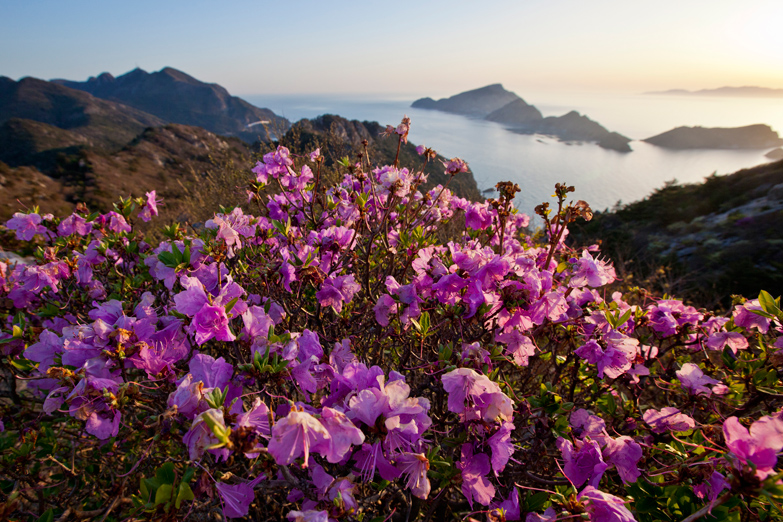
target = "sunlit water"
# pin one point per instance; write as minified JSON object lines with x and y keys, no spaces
{"x":601,"y":177}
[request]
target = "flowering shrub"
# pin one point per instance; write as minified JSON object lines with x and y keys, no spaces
{"x":340,"y":356}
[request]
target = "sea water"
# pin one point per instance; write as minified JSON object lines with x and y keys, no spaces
{"x":602,"y":177}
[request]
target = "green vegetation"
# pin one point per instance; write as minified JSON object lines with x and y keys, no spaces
{"x":704,"y":241}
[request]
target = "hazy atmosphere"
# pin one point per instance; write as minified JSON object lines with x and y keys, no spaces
{"x":405,"y":47}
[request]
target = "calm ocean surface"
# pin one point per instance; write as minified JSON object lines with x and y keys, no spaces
{"x":536,"y":163}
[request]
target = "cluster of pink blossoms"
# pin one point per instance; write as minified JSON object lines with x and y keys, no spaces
{"x":333,"y":346}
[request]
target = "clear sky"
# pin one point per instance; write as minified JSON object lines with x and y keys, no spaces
{"x":407,"y":47}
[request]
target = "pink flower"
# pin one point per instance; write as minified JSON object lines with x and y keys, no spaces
{"x":26,"y":226}
{"x":712,"y":488}
{"x":475,"y":485}
{"x":624,"y":454}
{"x":757,"y":447}
{"x":384,"y":307}
{"x":586,"y":424}
{"x":519,"y":346}
{"x":583,"y":463}
{"x":74,"y":224}
{"x":150,"y":208}
{"x":415,"y":466}
{"x":237,"y":497}
{"x":604,"y":507}
{"x":294,"y":435}
{"x":310,"y":515}
{"x":211,"y":322}
{"x":455,"y":166}
{"x":591,"y":272}
{"x":668,"y":419}
{"x":735,"y":341}
{"x":744,"y":316}
{"x":693,"y":379}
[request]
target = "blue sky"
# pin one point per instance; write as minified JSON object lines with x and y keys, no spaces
{"x":405,"y":47}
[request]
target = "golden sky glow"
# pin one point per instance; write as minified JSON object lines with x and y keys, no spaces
{"x":406,"y":47}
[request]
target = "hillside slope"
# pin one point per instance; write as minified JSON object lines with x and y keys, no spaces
{"x":703,"y":241}
{"x":177,"y":97}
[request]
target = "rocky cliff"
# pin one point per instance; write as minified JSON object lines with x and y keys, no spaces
{"x":749,"y":137}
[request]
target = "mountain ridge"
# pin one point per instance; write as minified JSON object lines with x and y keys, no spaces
{"x":177,"y":97}
{"x":494,"y":103}
{"x":744,"y":91}
{"x":758,"y":136}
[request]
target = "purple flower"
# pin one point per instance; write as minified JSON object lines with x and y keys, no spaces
{"x":668,"y":315}
{"x":550,"y":515}
{"x":616,"y":359}
{"x":257,"y":418}
{"x":43,"y":352}
{"x":517,"y":345}
{"x":668,"y":419}
{"x":735,"y":341}
{"x":591,"y":272}
{"x":624,"y":454}
{"x":583,"y":464}
{"x":693,"y":379}
{"x":485,"y":400}
{"x":384,"y":307}
{"x":237,"y":497}
{"x":335,"y":292}
{"x":475,"y":485}
{"x":187,"y":397}
{"x":477,"y":216}
{"x":310,"y":515}
{"x":103,"y":425}
{"x":604,"y":507}
{"x":211,"y":322}
{"x":342,"y":434}
{"x":415,"y":466}
{"x":150,"y":208}
{"x":757,"y":447}
{"x":746,"y":318}
{"x":502,"y":447}
{"x":455,"y":166}
{"x":117,"y":223}
{"x":586,"y":424}
{"x":26,"y":226}
{"x":712,"y":488}
{"x":74,"y":224}
{"x":294,"y":435}
{"x":371,"y":457}
{"x":508,"y":509}
{"x":200,"y":436}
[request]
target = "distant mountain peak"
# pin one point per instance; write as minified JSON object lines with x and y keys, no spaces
{"x":177,"y":97}
{"x":744,"y":91}
{"x":494,"y":103}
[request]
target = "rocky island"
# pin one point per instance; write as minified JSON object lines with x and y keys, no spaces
{"x":749,"y":137}
{"x":494,"y":103}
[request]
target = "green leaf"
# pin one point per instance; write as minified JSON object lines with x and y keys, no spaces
{"x":163,"y":494}
{"x":189,"y":474}
{"x":183,"y":493}
{"x":165,"y":474}
{"x":168,"y":259}
{"x":48,"y":516}
{"x":537,"y":501}
{"x":770,"y":304}
{"x":231,"y":304}
{"x":424,"y":320}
